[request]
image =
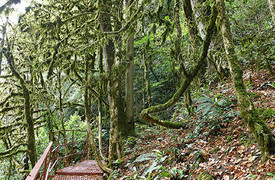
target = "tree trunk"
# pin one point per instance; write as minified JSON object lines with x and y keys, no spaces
{"x":27,"y":109}
{"x":191,"y":23}
{"x":202,"y":13}
{"x":90,"y":134}
{"x":129,"y":90}
{"x":271,"y":4}
{"x":87,"y":107}
{"x":147,"y":81}
{"x":61,"y":111}
{"x":2,"y":45}
{"x":100,"y":105}
{"x":112,"y":65}
{"x":187,"y":93}
{"x":256,"y":125}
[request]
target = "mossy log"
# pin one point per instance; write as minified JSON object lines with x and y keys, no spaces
{"x":145,"y":114}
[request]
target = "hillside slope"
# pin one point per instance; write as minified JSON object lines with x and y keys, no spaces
{"x":222,"y":148}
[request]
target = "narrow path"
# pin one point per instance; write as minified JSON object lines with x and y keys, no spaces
{"x":86,"y":170}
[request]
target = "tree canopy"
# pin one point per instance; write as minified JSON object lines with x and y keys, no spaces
{"x":109,"y":66}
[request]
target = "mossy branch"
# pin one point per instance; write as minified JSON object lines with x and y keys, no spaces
{"x":6,"y":76}
{"x":90,"y":88}
{"x":129,"y":22}
{"x":185,"y":84}
{"x":27,"y":105}
{"x":10,"y":96}
{"x":8,"y":4}
{"x":6,"y":109}
{"x":3,"y":154}
{"x":13,"y":153}
{"x":9,"y":127}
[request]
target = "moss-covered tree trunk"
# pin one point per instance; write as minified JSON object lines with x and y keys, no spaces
{"x":256,"y":125}
{"x":87,"y":108}
{"x":118,"y":122}
{"x":29,"y":119}
{"x":147,"y":82}
{"x":111,"y":56}
{"x":61,"y":113}
{"x":2,"y":45}
{"x":129,"y":89}
{"x":28,"y":115}
{"x":202,"y":13}
{"x":191,"y":23}
{"x":100,"y":109}
{"x":178,"y":53}
{"x":118,"y":76}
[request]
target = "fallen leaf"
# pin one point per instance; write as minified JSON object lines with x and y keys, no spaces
{"x":226,"y":177}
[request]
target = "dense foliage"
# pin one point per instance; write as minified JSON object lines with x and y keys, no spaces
{"x":66,"y":64}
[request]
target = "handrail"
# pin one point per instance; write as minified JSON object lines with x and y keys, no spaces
{"x":52,"y":153}
{"x":55,"y":151}
{"x":35,"y":171}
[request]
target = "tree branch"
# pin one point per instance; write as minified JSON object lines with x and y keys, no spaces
{"x":7,"y":4}
{"x":11,"y":150}
{"x":185,"y":84}
{"x":9,"y":97}
{"x":90,"y":88}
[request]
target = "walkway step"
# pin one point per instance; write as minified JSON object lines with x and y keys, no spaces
{"x":71,"y":177}
{"x":85,"y":170}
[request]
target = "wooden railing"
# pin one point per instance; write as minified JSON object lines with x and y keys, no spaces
{"x":64,"y":150}
{"x":43,"y":160}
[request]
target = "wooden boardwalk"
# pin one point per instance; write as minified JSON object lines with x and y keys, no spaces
{"x":86,"y":170}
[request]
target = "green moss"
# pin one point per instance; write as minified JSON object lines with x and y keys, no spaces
{"x":205,"y":176}
{"x":246,"y":140}
{"x":260,"y":110}
{"x":253,"y":95}
{"x":262,"y":139}
{"x":131,"y":141}
{"x":229,"y":138}
{"x":218,"y":97}
{"x":268,"y":113}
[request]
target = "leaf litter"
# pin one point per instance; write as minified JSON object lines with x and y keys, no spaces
{"x":232,"y":153}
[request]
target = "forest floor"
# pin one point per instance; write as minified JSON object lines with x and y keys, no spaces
{"x":227,"y":151}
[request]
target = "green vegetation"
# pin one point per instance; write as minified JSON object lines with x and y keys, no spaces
{"x":168,"y":89}
{"x":268,"y":113}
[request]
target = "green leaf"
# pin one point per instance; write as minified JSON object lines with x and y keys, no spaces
{"x":145,"y":157}
{"x":204,"y":99}
{"x":165,"y":174}
{"x":221,"y":102}
{"x":206,"y":110}
{"x":203,"y":106}
{"x":151,"y":168}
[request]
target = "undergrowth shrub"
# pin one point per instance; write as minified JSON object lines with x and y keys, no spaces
{"x":153,"y":168}
{"x":269,"y":113}
{"x":213,"y":112}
